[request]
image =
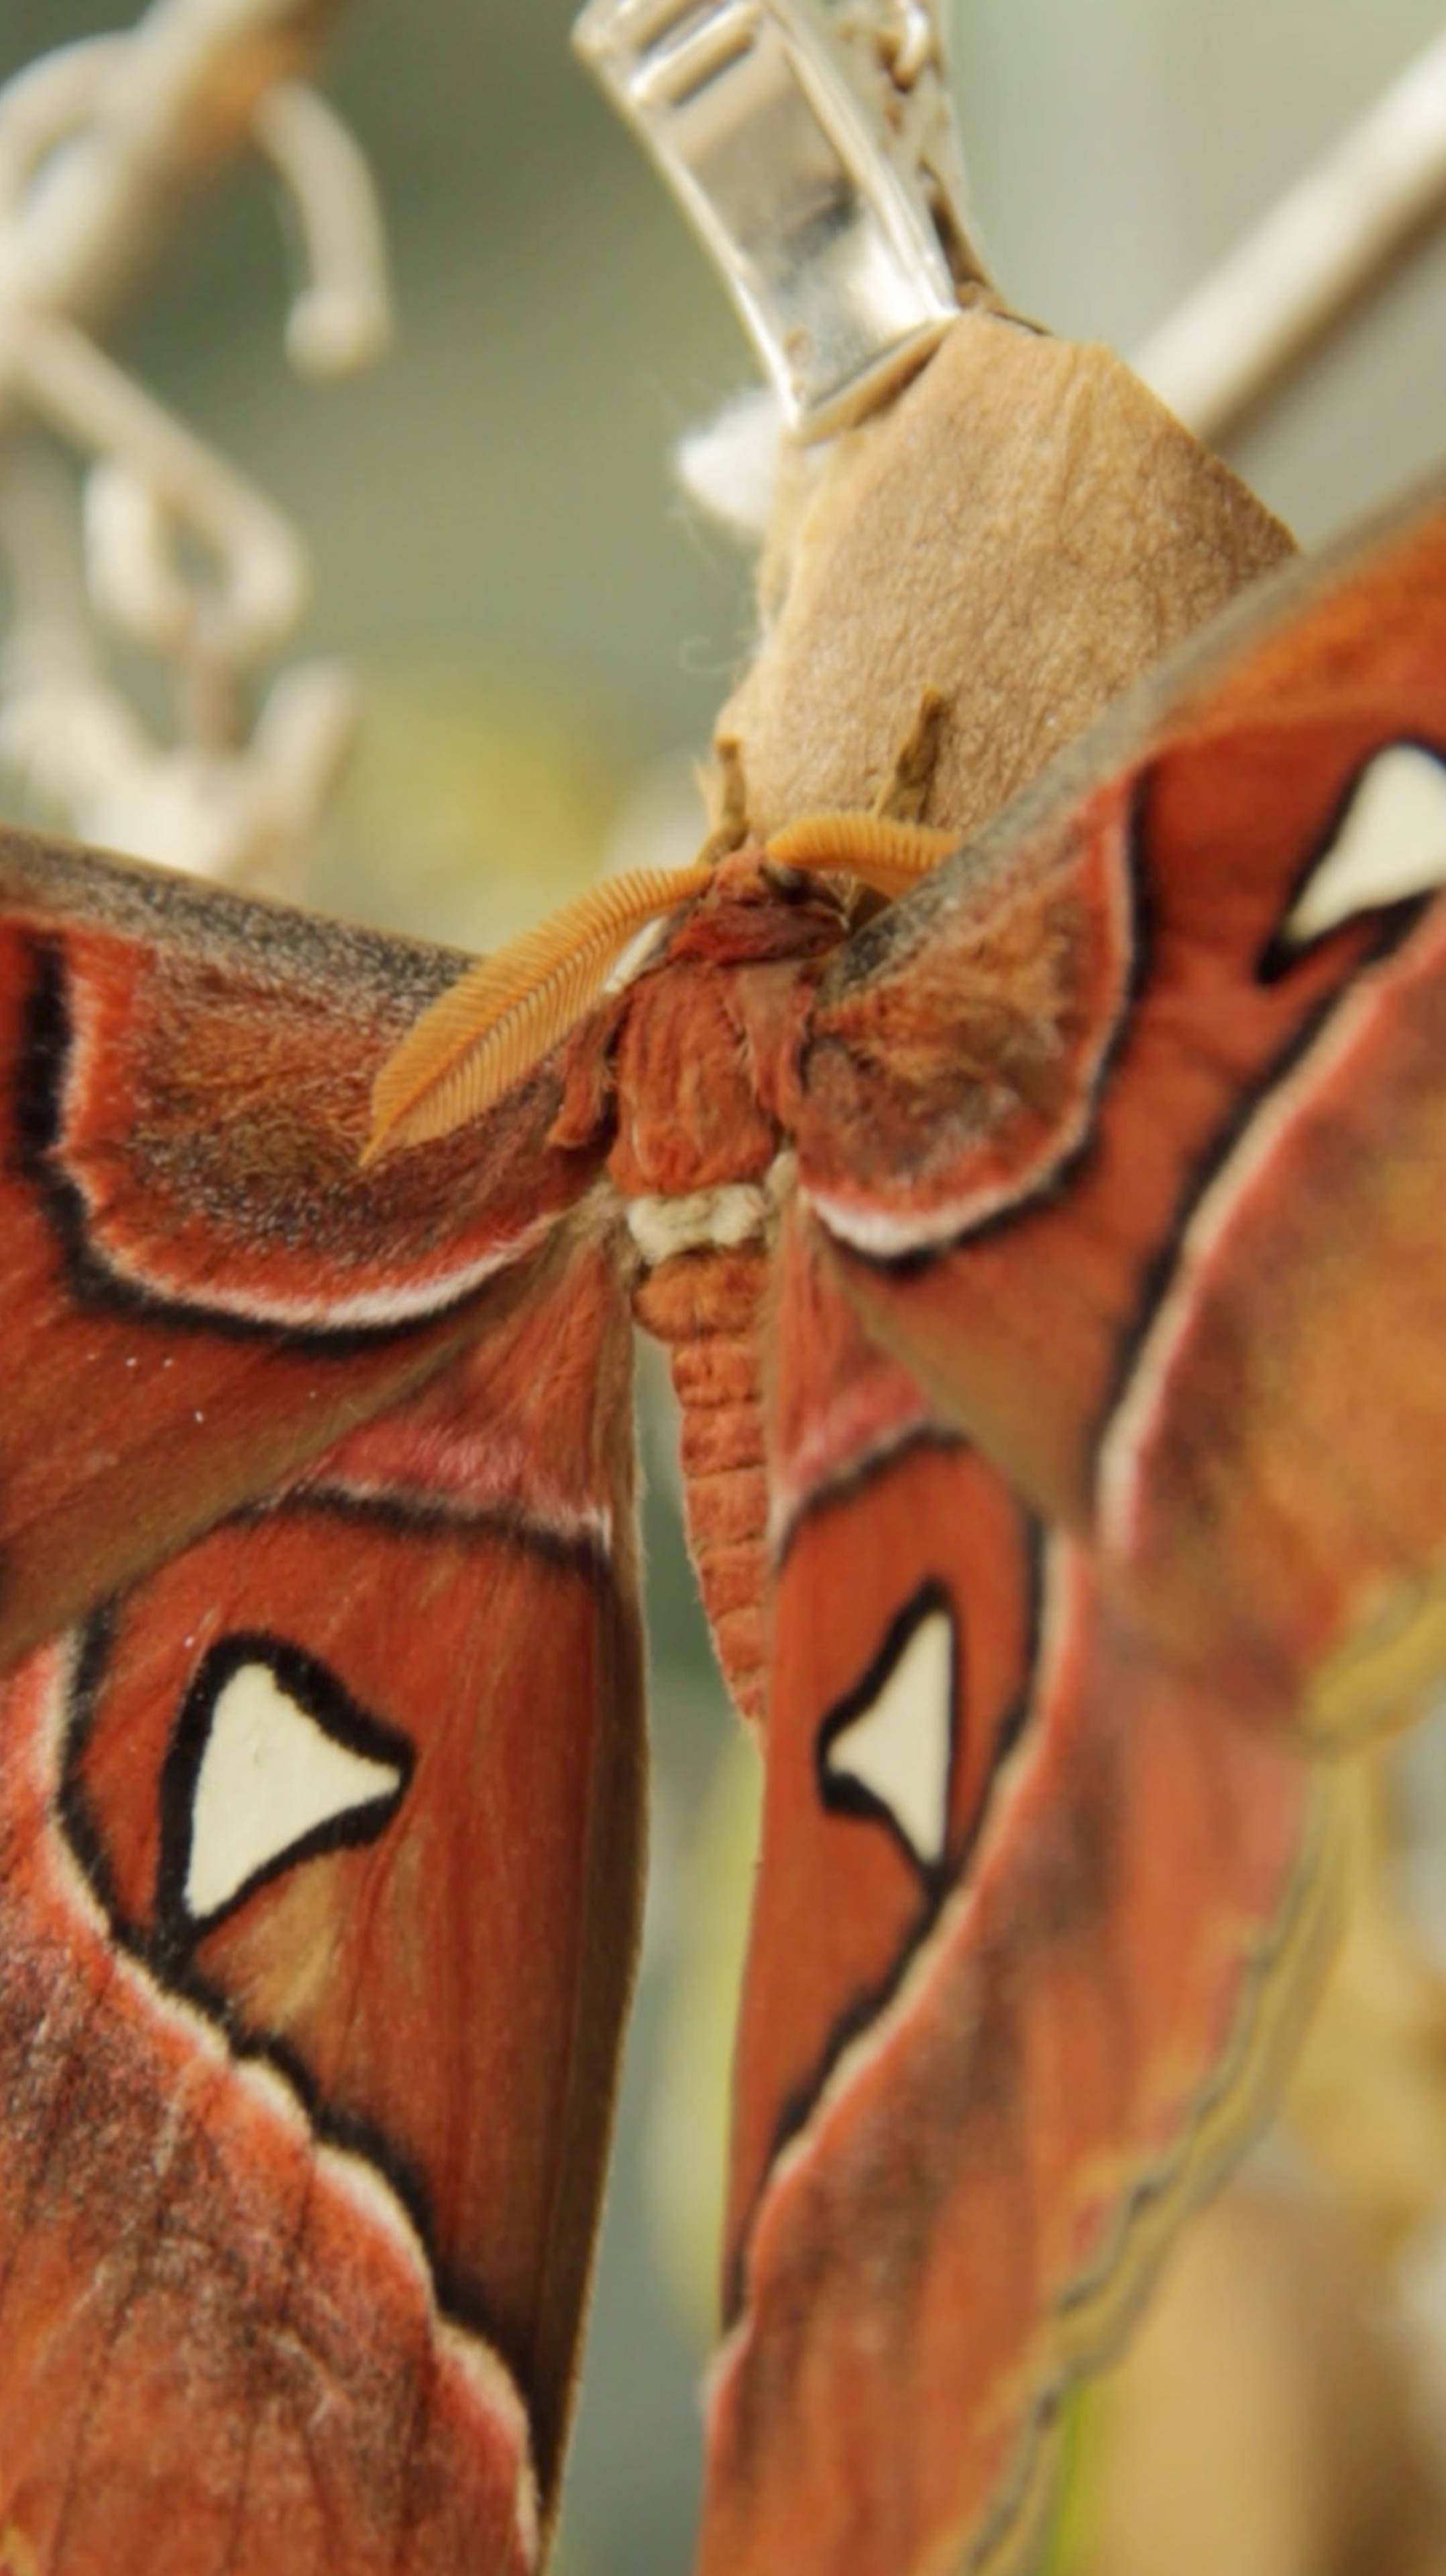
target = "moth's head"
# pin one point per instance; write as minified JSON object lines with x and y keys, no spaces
{"x":755,"y":909}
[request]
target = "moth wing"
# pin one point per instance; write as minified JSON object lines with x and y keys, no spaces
{"x":201,"y":1289}
{"x":1130,"y":1127}
{"x":1035,"y":1915}
{"x":317,"y":1916}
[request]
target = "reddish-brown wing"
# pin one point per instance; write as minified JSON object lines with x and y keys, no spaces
{"x":1035,"y":1913}
{"x":1131,"y":1130}
{"x":317,"y":1909}
{"x":200,"y":1289}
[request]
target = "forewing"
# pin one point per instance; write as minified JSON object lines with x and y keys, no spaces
{"x":201,"y":1289}
{"x":1130,"y":1130}
{"x":1034,"y":1918}
{"x":317,"y":1913}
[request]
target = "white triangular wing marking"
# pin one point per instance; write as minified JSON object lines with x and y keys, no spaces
{"x":1391,"y":844}
{"x":899,"y":1747}
{"x":270,"y":1774}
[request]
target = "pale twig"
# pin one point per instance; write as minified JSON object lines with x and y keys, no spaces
{"x":72,"y":385}
{"x":233,"y":815}
{"x":101,"y":147}
{"x":341,"y":320}
{"x":80,"y":751}
{"x":1313,"y":254}
{"x":95,"y":145}
{"x":102,"y":143}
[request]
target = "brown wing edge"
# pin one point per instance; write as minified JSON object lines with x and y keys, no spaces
{"x":1092,"y":2324}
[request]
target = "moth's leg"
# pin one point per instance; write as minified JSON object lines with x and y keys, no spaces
{"x":888,"y":849}
{"x":905,"y":792}
{"x":726,"y":790}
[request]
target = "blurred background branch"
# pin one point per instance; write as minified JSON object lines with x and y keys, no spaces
{"x":1360,"y":208}
{"x":104,"y":147}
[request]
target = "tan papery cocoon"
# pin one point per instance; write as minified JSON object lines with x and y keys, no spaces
{"x":1025,"y":531}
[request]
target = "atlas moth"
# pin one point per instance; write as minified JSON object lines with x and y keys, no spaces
{"x":1028,"y":1158}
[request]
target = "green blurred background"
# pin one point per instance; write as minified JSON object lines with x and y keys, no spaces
{"x":540,"y":619}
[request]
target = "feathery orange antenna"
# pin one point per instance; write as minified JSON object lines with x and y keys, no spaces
{"x":493,"y":1026}
{"x":888,"y":855}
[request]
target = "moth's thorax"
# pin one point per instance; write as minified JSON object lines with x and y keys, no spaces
{"x":705,"y":1056}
